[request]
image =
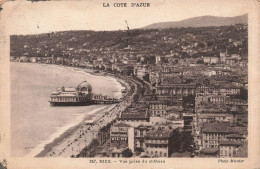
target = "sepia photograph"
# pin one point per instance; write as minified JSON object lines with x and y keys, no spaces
{"x":128,"y":82}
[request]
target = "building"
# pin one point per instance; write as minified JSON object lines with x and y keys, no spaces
{"x":229,"y":148}
{"x":218,"y":99}
{"x":211,"y":60}
{"x":210,"y":99}
{"x":174,"y":111}
{"x":222,"y":57}
{"x":153,"y":78}
{"x":158,"y":108}
{"x":69,"y":96}
{"x":223,"y":89}
{"x":188,"y":121}
{"x":213,"y":133}
{"x":240,"y":117}
{"x":231,"y":61}
{"x":161,"y":59}
{"x":33,"y":59}
{"x":168,"y":76}
{"x":210,"y":72}
{"x":243,"y":63}
{"x":134,"y":117}
{"x":177,"y":123}
{"x":141,"y":71}
{"x":158,"y":142}
{"x":117,"y":153}
{"x":140,"y":132}
{"x":236,"y":137}
{"x":236,"y":56}
{"x":119,"y":135}
{"x":24,"y":59}
{"x":175,"y":89}
{"x":215,"y":117}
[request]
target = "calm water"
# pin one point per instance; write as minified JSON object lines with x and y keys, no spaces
{"x":34,"y":122}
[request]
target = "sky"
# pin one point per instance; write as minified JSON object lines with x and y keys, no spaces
{"x":24,"y":17}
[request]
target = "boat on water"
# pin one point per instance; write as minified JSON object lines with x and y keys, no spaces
{"x":79,"y":96}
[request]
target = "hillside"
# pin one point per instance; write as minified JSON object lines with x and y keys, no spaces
{"x":203,"y":21}
{"x":186,"y":42}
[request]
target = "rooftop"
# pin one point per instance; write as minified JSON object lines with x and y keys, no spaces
{"x":235,"y":136}
{"x":217,"y":128}
{"x":209,"y":150}
{"x":157,"y":102}
{"x":134,"y":115}
{"x":69,"y":89}
{"x":229,"y":142}
{"x":174,"y":109}
{"x":121,"y":125}
{"x":159,"y":133}
{"x":144,"y":126}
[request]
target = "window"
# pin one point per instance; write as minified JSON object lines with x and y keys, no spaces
{"x":151,"y":152}
{"x":141,"y":133}
{"x":141,"y":144}
{"x":165,"y":154}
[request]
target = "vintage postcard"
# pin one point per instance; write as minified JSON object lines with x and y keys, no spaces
{"x":129,"y":84}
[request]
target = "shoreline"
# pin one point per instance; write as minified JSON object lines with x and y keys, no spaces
{"x":121,"y":83}
{"x":72,"y":131}
{"x":73,"y":137}
{"x":68,"y":133}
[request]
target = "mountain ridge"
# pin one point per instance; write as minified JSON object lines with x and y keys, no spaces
{"x":200,"y":21}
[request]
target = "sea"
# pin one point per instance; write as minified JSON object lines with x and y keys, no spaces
{"x":34,"y":123}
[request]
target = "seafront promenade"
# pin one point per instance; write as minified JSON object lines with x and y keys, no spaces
{"x":71,"y":143}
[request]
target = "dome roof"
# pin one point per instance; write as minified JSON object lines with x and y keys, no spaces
{"x":84,"y":86}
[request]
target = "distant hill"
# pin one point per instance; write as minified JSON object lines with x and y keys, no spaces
{"x":202,"y":21}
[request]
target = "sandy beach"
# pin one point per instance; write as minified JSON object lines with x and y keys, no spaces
{"x":75,"y":138}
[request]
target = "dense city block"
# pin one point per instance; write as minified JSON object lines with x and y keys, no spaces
{"x":187,"y":93}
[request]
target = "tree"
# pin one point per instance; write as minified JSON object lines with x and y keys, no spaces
{"x":188,"y":101}
{"x":181,"y":141}
{"x":3,"y":164}
{"x":146,"y":77}
{"x":200,"y":61}
{"x":127,"y":153}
